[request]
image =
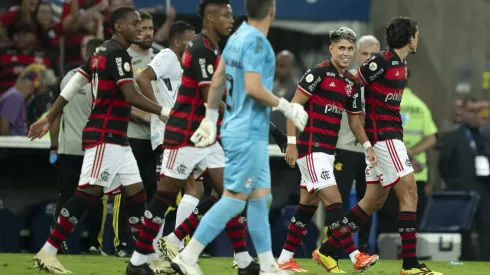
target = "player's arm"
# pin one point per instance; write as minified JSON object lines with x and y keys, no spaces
{"x":373,"y":69}
{"x":161,"y":66}
{"x":354,"y":112}
{"x":280,"y":137}
{"x":120,"y":69}
{"x":144,"y":82}
{"x":291,"y":149}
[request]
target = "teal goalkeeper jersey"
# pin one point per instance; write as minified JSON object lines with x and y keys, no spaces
{"x":247,"y":50}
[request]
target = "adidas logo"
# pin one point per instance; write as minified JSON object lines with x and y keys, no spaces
{"x":332,"y":84}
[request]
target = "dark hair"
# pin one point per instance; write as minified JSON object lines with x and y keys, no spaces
{"x":120,"y":13}
{"x":258,"y":9}
{"x":205,"y":3}
{"x":92,"y":45}
{"x":178,"y":28}
{"x":342,"y":33}
{"x":43,"y":35}
{"x":145,"y":16}
{"x":400,"y":31}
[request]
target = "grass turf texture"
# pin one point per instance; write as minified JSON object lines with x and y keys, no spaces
{"x":93,"y":265}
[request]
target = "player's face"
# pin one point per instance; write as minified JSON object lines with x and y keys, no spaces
{"x":223,"y":22}
{"x":131,"y":28}
{"x":184,"y":40}
{"x":365,"y":52}
{"x":342,"y":53}
{"x":414,"y":42}
{"x":147,"y":33}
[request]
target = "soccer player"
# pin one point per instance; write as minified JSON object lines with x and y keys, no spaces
{"x":69,"y":149}
{"x":166,"y":69}
{"x":385,"y":78}
{"x":326,"y":91}
{"x":180,"y":157}
{"x":108,"y":163}
{"x":246,"y":70}
{"x":350,"y":163}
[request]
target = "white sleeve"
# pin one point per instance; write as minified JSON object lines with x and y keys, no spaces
{"x":73,"y":86}
{"x":164,"y":64}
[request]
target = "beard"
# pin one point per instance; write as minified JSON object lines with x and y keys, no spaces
{"x":145,"y":45}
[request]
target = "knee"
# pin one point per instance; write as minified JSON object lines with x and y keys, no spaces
{"x":170,"y":185}
{"x":379,"y":203}
{"x":194,"y":189}
{"x":409,"y":196}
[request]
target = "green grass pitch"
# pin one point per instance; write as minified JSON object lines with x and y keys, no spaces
{"x":20,"y":264}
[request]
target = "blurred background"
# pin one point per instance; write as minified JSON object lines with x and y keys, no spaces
{"x":449,"y":80}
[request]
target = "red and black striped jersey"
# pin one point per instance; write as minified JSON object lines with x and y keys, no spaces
{"x":385,"y":78}
{"x":107,"y":69}
{"x":330,"y":94}
{"x":199,"y":62}
{"x":13,"y":62}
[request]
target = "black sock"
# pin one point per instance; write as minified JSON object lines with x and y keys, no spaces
{"x":153,"y":219}
{"x":135,"y":208}
{"x":69,"y":217}
{"x":407,"y":226}
{"x":334,"y":214}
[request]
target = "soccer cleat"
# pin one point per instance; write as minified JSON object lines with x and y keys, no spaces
{"x":184,"y":269}
{"x":167,"y":249}
{"x":161,"y":267}
{"x":291,"y":265}
{"x":422,"y":269}
{"x":49,"y":263}
{"x":252,"y":269}
{"x":330,"y":264}
{"x":143,"y":269}
{"x":364,"y":261}
{"x":275,"y":271}
{"x":123,"y":251}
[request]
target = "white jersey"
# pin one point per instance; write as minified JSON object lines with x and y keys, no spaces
{"x":168,"y":73}
{"x":346,"y":138}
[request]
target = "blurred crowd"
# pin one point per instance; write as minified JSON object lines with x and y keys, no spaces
{"x":34,"y":33}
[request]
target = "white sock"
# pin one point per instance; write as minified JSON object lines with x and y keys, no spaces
{"x":285,"y":256}
{"x":158,"y":237}
{"x":352,"y":256}
{"x":186,"y":205}
{"x":267,"y":261}
{"x":243,"y":259}
{"x":49,"y":248}
{"x":152,"y":257}
{"x":191,"y":252}
{"x":138,"y":259}
{"x":173,"y":239}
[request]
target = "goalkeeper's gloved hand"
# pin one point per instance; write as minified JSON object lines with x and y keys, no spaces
{"x":205,"y":135}
{"x":294,"y":112}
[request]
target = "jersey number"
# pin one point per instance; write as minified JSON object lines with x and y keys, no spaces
{"x":229,"y":91}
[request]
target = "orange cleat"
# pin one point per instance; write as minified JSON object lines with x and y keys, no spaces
{"x":364,"y":261}
{"x":291,"y":265}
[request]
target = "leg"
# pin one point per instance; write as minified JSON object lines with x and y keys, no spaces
{"x":145,"y":158}
{"x":190,"y":200}
{"x":297,"y":230}
{"x":95,"y":217}
{"x":69,"y":172}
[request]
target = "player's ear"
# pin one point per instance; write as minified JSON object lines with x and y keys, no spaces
{"x":330,"y":48}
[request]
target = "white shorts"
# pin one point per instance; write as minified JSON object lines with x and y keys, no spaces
{"x":110,"y":166}
{"x":393,"y":163}
{"x":316,"y":171}
{"x":180,"y":163}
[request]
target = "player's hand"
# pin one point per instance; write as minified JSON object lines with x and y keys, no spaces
{"x":294,"y":112}
{"x":39,"y":128}
{"x":205,"y":135}
{"x":372,"y":158}
{"x":417,"y":166}
{"x":291,"y":155}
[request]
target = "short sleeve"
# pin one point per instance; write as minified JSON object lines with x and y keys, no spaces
{"x":310,"y":81}
{"x":202,"y":64}
{"x":372,"y":69}
{"x":119,"y":67}
{"x":430,"y":127}
{"x":86,"y":69}
{"x":255,"y":54}
{"x":9,"y":108}
{"x":354,"y":106}
{"x":66,"y":79}
{"x":164,"y":64}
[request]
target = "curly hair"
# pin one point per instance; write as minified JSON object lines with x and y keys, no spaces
{"x":400,"y":31}
{"x":204,"y":3}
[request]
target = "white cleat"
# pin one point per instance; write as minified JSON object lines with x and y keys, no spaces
{"x":49,"y":263}
{"x":184,"y":269}
{"x":167,"y":249}
{"x":160,"y":266}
